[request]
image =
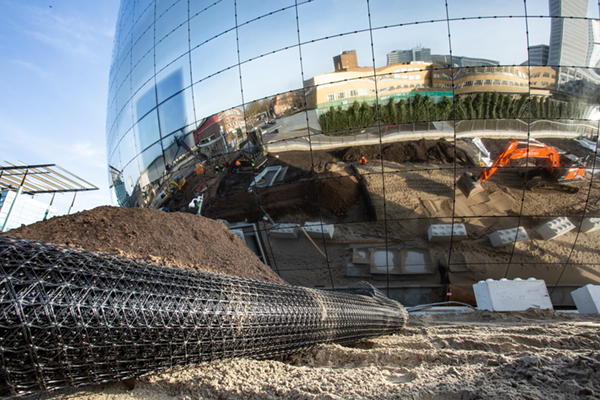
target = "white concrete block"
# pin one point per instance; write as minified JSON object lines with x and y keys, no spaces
{"x":555,"y":228}
{"x":590,"y":225}
{"x":284,"y":231}
{"x":515,"y":295}
{"x":508,"y":236}
{"x":316,"y":230}
{"x":587,"y":299}
{"x":445,"y":233}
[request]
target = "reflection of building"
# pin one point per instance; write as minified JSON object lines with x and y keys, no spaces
{"x":406,"y":56}
{"x":425,"y":78}
{"x":460,"y":62}
{"x":498,"y":79}
{"x":538,"y":55}
{"x":567,"y":34}
{"x":289,"y":102}
{"x":219,"y":130}
{"x":359,"y":84}
{"x":345,"y":60}
{"x":567,"y":53}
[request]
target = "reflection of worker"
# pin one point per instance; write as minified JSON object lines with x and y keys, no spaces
{"x":362,"y":160}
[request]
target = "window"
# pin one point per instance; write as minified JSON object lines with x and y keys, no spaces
{"x":478,"y":83}
{"x":496,"y":82}
{"x":353,"y":93}
{"x":487,"y":82}
{"x":546,"y":75}
{"x":341,"y":95}
{"x":504,"y":83}
{"x":331,"y":97}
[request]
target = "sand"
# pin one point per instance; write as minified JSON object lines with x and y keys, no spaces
{"x":529,"y":355}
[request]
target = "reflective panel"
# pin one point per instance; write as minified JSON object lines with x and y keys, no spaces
{"x":248,"y":10}
{"x":176,"y":113}
{"x":225,"y":45}
{"x":174,"y":17}
{"x":217,"y":93}
{"x":346,"y":139}
{"x":256,"y":38}
{"x":171,"y":47}
{"x":505,"y":41}
{"x":146,"y":130}
{"x":264,"y":77}
{"x":385,"y":13}
{"x":322,"y":19}
{"x":173,"y":79}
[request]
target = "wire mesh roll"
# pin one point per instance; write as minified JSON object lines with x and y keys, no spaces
{"x":72,"y":317}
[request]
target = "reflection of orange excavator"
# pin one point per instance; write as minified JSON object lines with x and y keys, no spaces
{"x":553,"y":167}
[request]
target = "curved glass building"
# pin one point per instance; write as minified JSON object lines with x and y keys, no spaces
{"x":344,"y":139}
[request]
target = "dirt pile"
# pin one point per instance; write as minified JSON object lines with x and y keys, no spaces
{"x":401,"y":152}
{"x":337,"y":195}
{"x":178,"y":239}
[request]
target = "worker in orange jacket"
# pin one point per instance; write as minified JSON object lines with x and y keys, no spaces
{"x":363,"y":160}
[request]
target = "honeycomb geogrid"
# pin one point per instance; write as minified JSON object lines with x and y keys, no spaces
{"x":72,"y":317}
{"x":302,"y":91}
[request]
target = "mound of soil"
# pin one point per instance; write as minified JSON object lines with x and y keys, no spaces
{"x":178,"y":239}
{"x":337,"y":195}
{"x":401,"y":152}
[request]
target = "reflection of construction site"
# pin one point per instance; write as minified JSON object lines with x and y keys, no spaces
{"x":323,"y":219}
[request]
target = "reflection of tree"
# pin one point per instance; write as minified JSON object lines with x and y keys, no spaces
{"x":486,"y":105}
{"x":257,"y":107}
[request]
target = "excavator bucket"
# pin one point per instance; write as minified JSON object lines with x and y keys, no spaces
{"x":468,"y":185}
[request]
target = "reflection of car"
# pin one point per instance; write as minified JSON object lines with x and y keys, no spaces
{"x":271,"y":121}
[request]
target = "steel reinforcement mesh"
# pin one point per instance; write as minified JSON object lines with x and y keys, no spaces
{"x":72,"y":317}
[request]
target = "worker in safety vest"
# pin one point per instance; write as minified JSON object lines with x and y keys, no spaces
{"x":238,"y":165}
{"x":362,"y":160}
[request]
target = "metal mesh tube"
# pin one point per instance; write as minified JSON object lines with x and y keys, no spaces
{"x":71,"y":317}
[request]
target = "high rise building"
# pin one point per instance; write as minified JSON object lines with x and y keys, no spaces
{"x":569,"y":30}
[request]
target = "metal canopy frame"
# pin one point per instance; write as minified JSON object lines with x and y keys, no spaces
{"x":40,"y":179}
{"x":44,"y":178}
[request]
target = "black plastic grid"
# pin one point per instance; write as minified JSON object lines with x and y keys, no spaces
{"x":71,"y":317}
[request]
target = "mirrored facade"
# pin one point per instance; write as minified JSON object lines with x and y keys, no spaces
{"x":419,"y":147}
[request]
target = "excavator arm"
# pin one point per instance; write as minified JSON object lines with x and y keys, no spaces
{"x":470,"y":185}
{"x":512,"y":152}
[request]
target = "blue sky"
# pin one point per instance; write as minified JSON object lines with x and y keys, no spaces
{"x":54,"y":78}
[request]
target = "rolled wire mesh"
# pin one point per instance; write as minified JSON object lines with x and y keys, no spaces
{"x":72,"y":317}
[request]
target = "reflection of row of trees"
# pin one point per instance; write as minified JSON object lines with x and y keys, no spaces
{"x":486,"y":105}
